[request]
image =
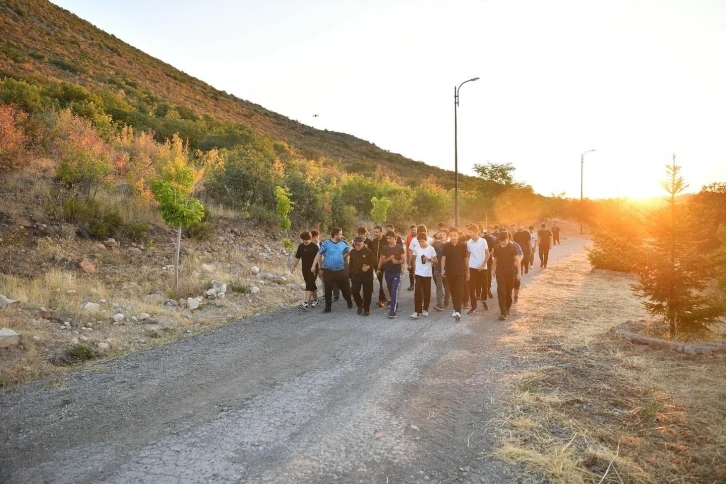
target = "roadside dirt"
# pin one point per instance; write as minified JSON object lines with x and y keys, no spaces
{"x":282,"y":397}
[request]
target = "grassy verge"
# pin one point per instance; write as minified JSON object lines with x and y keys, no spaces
{"x":589,"y":407}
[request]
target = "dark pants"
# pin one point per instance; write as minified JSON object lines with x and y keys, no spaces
{"x":366,"y":284}
{"x":525,"y":263}
{"x":338,"y":279}
{"x":410,"y":274}
{"x":487,"y":282}
{"x":505,"y":286}
{"x":393,"y":280}
{"x":555,"y":239}
{"x":456,"y":287}
{"x":422,"y":297}
{"x":381,"y":292}
{"x":476,"y":280}
{"x":465,"y":292}
{"x":544,"y":252}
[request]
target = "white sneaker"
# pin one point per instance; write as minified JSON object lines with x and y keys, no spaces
{"x":425,"y":314}
{"x":414,"y":316}
{"x":458,"y":316}
{"x":453,"y":315}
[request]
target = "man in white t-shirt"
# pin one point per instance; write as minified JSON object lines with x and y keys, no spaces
{"x":478,"y":254}
{"x":423,"y":273}
{"x":414,"y":245}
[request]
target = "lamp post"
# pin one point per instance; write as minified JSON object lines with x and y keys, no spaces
{"x":456,"y":153}
{"x":582,"y":168}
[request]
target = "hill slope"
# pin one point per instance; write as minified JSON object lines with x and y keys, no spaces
{"x":45,"y":43}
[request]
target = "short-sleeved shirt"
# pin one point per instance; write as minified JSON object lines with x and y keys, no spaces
{"x":306,"y":254}
{"x":333,"y":253}
{"x":477,"y":251}
{"x":388,"y":251}
{"x":519,"y":249}
{"x":506,"y":259}
{"x":425,"y":269}
{"x":414,"y":245}
{"x":523,"y":239}
{"x":545,"y":237}
{"x":533,"y":238}
{"x":455,"y":258}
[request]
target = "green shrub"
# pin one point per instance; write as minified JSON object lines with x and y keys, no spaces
{"x":263,"y":216}
{"x":80,"y":352}
{"x":200,"y":231}
{"x":106,"y":226}
{"x":239,"y":288}
{"x":137,"y":231}
{"x":89,"y":214}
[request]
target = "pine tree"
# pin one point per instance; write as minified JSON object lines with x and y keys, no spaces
{"x":676,"y":266}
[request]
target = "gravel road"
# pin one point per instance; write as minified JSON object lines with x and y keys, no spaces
{"x":283,"y":397}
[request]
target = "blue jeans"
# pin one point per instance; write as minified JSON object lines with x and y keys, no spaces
{"x":393,"y":279}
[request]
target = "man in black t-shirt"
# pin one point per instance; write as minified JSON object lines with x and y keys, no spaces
{"x":307,"y":252}
{"x":361,"y":267}
{"x":376,"y":245}
{"x":555,"y":234}
{"x":392,"y":257}
{"x":455,"y":268}
{"x":544,"y":240}
{"x":506,"y":270}
{"x":523,"y":238}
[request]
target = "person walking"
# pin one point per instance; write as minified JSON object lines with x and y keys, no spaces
{"x":376,"y":245}
{"x":524,"y":240}
{"x":425,"y":260}
{"x":307,"y":251}
{"x":334,"y":254}
{"x":544,"y":241}
{"x":410,"y":237}
{"x":487,"y":289}
{"x":555,"y":234}
{"x":392,"y":257}
{"x":506,"y":270}
{"x":533,"y":245}
{"x":361,"y":266}
{"x":478,"y":252}
{"x":455,"y":267}
{"x":517,"y":282}
{"x":442,"y":290}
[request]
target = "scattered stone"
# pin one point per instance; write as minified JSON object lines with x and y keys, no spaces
{"x":151,"y":321}
{"x":71,"y":291}
{"x":98,"y":246}
{"x":255,"y":270}
{"x":83,"y":338}
{"x":689,"y":350}
{"x":236,"y":231}
{"x":413,"y":427}
{"x":118,"y":317}
{"x":171,"y":302}
{"x":211,"y":293}
{"x":279,"y":279}
{"x":182,"y":303}
{"x":154,"y":299}
{"x":144,"y":316}
{"x":45,"y":314}
{"x":193,"y":303}
{"x":5,"y":301}
{"x":24,"y":222}
{"x":135,"y":250}
{"x":36,"y":338}
{"x":104,"y":346}
{"x":111,"y":244}
{"x":74,"y":341}
{"x":89,"y":306}
{"x":254,"y":290}
{"x":87,"y":267}
{"x":9,"y":338}
{"x":219,"y":287}
{"x":66,"y":324}
{"x":208,"y":268}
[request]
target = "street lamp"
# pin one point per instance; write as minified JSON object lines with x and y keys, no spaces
{"x":582,"y":168}
{"x":456,"y":153}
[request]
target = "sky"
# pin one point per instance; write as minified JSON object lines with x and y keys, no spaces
{"x":636,"y":80}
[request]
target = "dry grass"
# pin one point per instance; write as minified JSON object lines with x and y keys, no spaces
{"x":56,"y":288}
{"x":589,"y":407}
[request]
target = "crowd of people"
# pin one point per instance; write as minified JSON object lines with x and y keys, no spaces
{"x":461,"y":265}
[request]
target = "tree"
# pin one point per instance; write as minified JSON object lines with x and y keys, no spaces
{"x":173,"y":191}
{"x":379,"y":212}
{"x":283,"y":208}
{"x":500,"y":174}
{"x":676,"y":265}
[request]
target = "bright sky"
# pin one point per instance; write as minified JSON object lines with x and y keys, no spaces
{"x":637,"y":80}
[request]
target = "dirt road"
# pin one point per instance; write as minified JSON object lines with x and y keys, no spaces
{"x":283,"y":397}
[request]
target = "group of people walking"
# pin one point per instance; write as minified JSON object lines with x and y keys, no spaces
{"x":460,"y":264}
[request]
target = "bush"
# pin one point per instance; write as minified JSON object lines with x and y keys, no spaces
{"x":106,"y":226}
{"x":239,"y":288}
{"x":12,"y":137}
{"x":80,"y":352}
{"x":90,"y":215}
{"x":263,"y":216}
{"x":200,"y":231}
{"x":137,"y":231}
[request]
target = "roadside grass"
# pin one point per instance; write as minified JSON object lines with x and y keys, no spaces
{"x":589,"y":407}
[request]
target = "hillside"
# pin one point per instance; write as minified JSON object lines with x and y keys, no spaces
{"x":131,"y":83}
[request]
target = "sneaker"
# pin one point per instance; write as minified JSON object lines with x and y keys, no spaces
{"x":425,"y":314}
{"x":465,"y":306}
{"x":381,"y":304}
{"x":458,"y":316}
{"x":485,"y":305}
{"x":507,"y":312}
{"x":502,"y":317}
{"x":327,"y":310}
{"x":360,"y":310}
{"x":414,"y":316}
{"x":410,"y":288}
{"x":515,"y":299}
{"x":453,"y":315}
{"x":392,"y":315}
{"x":350,"y":304}
{"x":438,"y":308}
{"x":304,"y":306}
{"x":366,"y":312}
{"x":336,"y":298}
{"x":541,"y":265}
{"x":471,"y":311}
{"x":314,"y":304}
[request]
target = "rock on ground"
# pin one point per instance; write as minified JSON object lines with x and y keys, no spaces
{"x":9,"y":338}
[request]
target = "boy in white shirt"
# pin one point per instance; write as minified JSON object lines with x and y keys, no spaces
{"x":425,"y":259}
{"x":478,"y":255}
